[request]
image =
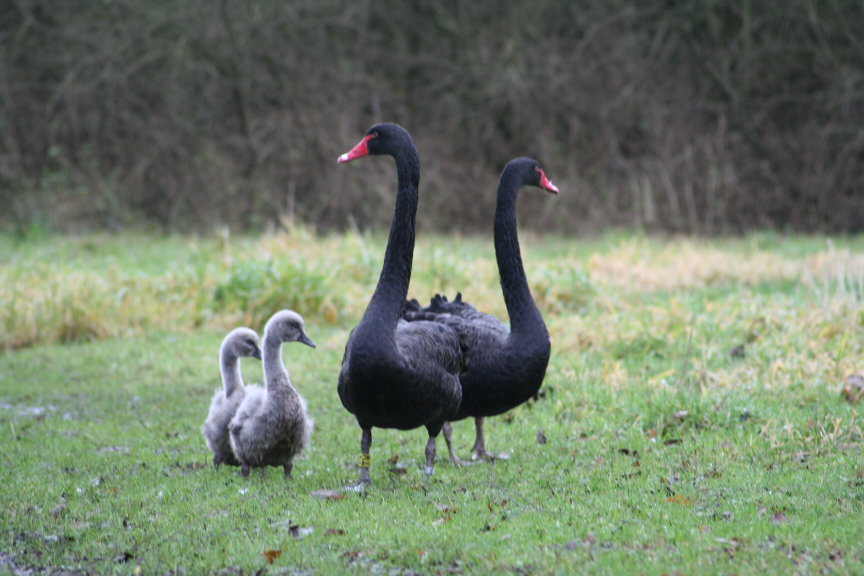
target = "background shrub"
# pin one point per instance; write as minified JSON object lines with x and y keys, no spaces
{"x":698,"y":117}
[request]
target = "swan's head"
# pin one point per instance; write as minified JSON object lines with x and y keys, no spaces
{"x":287,"y":326}
{"x":385,"y":138}
{"x":528,"y":172}
{"x":241,"y":342}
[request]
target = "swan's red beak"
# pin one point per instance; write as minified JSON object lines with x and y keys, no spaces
{"x":546,"y":184}
{"x":358,"y":151}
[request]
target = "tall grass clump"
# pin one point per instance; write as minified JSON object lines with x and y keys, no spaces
{"x":441,"y":269}
{"x":43,"y":305}
{"x":254,"y":289}
{"x":38,"y":310}
{"x":561,"y":286}
{"x":836,"y":275}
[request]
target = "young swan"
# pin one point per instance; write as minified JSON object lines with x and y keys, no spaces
{"x":271,"y":426}
{"x":240,"y":342}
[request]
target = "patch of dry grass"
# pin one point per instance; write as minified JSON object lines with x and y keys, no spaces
{"x":45,"y":305}
{"x":630,"y":296}
{"x":686,"y":264}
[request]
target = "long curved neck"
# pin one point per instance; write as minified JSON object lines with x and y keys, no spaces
{"x":229,"y":365}
{"x":275,"y":374}
{"x":524,"y":315}
{"x":385,"y":307}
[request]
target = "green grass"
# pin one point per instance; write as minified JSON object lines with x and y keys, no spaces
{"x":665,"y":452}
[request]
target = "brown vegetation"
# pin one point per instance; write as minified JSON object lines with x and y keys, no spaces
{"x":683,"y":116}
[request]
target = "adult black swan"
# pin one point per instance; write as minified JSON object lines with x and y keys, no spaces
{"x":502,"y":368}
{"x":397,"y":374}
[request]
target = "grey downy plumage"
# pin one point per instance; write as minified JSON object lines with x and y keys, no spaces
{"x":271,"y":426}
{"x":239,"y":343}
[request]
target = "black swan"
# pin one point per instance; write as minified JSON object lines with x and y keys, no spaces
{"x":397,"y":374}
{"x":503,"y":368}
{"x":240,"y":342}
{"x":271,"y":426}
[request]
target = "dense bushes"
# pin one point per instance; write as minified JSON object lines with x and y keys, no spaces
{"x":687,"y":116}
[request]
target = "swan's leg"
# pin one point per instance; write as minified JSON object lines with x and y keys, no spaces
{"x":216,"y":461}
{"x":478,"y":452}
{"x":288,"y":467}
{"x":365,"y":458}
{"x":430,"y":457}
{"x":244,"y":470}
{"x":448,"y":431}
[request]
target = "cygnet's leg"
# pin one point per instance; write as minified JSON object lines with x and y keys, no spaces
{"x":288,"y":467}
{"x":478,"y":452}
{"x":217,"y":460}
{"x":244,"y":470}
{"x":448,"y":431}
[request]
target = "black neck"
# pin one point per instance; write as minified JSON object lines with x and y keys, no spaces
{"x":524,"y":315}
{"x":385,"y":307}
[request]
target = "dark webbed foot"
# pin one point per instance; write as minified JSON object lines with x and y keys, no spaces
{"x":478,"y":455}
{"x":448,"y":431}
{"x":362,"y":483}
{"x":479,"y":452}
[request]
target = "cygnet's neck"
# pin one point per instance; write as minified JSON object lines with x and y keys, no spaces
{"x":229,"y":365}
{"x":275,"y":374}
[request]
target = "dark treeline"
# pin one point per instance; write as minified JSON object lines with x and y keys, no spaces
{"x":710,"y":116}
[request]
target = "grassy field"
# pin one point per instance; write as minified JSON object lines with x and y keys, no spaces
{"x":692,"y":420}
